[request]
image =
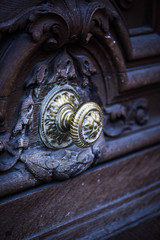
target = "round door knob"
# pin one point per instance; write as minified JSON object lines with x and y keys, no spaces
{"x":64,"y":119}
{"x":86,"y":125}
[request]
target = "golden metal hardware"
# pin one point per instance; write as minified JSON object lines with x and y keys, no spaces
{"x":64,"y":119}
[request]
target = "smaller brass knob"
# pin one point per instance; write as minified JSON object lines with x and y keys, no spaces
{"x":64,"y":119}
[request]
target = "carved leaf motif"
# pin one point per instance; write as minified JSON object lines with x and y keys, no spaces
{"x":139,"y":111}
{"x":39,"y":75}
{"x":61,"y":164}
{"x":9,"y":154}
{"x":26,"y":115}
{"x":13,"y":145}
{"x":63,"y":69}
{"x":96,"y":17}
{"x":39,"y":163}
{"x":114,"y":120}
{"x":116,"y":111}
{"x":119,"y":118}
{"x":85,"y":66}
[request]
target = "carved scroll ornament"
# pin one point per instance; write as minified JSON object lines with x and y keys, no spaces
{"x":119,"y":118}
{"x":74,"y":48}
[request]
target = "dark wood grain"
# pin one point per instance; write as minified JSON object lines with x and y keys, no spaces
{"x":148,"y":229}
{"x":55,"y":205}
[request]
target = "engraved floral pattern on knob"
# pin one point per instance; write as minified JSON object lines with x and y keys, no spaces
{"x":91,"y":126}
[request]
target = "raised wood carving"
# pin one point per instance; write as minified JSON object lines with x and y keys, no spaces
{"x":84,"y":44}
{"x":108,"y":51}
{"x":119,"y":118}
{"x":68,"y":43}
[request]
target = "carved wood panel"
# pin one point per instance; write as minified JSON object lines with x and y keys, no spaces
{"x":88,"y":46}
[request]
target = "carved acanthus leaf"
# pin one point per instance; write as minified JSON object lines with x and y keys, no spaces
{"x":51,"y":24}
{"x":13,"y":145}
{"x":26,"y":115}
{"x":85,"y":66}
{"x":39,"y":75}
{"x":63,"y":69}
{"x":119,"y":118}
{"x":9,"y":153}
{"x":61,"y":164}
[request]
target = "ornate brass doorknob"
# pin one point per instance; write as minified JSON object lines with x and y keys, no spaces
{"x":64,"y":119}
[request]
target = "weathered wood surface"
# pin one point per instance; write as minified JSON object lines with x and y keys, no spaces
{"x":148,"y":229}
{"x":22,"y":179}
{"x":101,"y":200}
{"x":86,"y":45}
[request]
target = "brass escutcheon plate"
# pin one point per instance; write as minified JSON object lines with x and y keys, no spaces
{"x":52,"y":105}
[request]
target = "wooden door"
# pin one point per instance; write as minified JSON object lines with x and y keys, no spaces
{"x":64,"y":181}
